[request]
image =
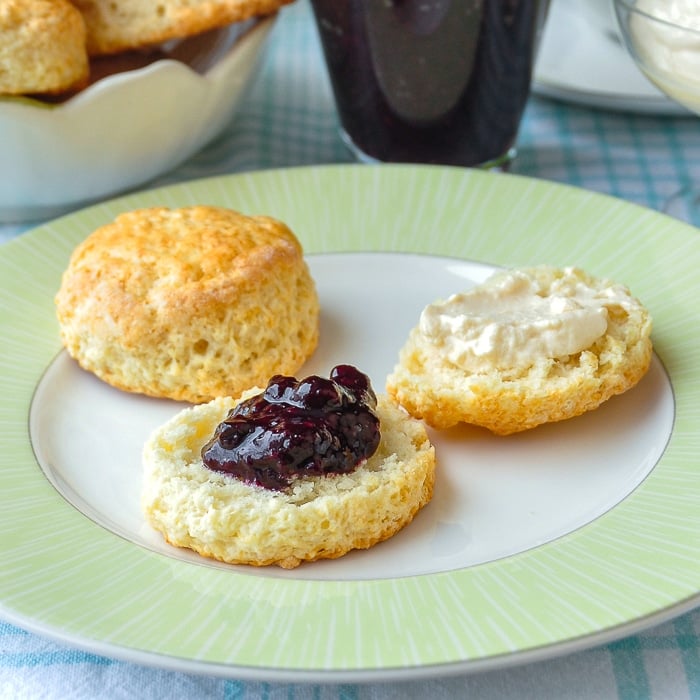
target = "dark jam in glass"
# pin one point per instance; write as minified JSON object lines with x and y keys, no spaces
{"x":430,"y":81}
{"x":295,"y":428}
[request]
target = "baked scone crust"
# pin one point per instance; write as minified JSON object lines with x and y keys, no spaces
{"x":430,"y":387}
{"x":220,"y":517}
{"x":42,"y":47}
{"x":188,"y":303}
{"x":131,"y":24}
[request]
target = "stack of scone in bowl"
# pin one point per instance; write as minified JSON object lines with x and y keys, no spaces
{"x":219,"y":309}
{"x":46,"y":45}
{"x":97,"y":97}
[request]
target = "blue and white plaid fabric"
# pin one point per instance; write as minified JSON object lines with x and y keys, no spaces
{"x":289,"y":119}
{"x":661,"y":664}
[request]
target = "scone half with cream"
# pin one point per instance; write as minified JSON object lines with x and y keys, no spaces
{"x":301,"y":471}
{"x":528,"y":346}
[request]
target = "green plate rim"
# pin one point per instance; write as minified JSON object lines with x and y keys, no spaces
{"x":67,"y":578}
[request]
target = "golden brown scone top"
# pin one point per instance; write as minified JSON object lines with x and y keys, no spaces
{"x":177,"y":249}
{"x":188,"y":303}
{"x":129,"y":24}
{"x":42,"y":47}
{"x":174,"y":262}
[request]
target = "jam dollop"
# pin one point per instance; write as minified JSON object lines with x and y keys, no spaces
{"x":296,"y":428}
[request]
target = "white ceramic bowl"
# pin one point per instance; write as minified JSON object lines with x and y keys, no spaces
{"x":126,"y":128}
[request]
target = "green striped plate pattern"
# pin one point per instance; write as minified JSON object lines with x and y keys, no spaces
{"x":65,"y":576}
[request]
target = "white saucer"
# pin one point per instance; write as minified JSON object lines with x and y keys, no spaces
{"x":581,"y":64}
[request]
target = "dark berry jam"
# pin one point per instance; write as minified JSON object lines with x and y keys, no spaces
{"x":430,"y":81}
{"x":296,"y":428}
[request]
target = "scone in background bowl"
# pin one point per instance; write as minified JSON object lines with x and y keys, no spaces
{"x":127,"y":128}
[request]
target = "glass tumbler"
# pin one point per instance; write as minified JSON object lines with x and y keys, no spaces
{"x":430,"y":81}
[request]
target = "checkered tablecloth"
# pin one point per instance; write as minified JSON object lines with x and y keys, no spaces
{"x":289,"y":119}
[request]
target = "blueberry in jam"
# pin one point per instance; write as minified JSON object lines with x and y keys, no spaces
{"x":296,"y":428}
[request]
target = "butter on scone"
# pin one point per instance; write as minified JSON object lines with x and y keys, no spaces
{"x":42,"y":47}
{"x":526,"y":347}
{"x":189,"y":303}
{"x":305,"y":470}
{"x":131,"y":24}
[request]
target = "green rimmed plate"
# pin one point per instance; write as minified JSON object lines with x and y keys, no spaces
{"x":555,"y":540}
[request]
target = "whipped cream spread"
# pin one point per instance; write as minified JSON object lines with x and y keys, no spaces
{"x":509,"y":322}
{"x":670,"y":54}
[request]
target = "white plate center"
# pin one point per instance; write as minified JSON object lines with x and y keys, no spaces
{"x":494,"y":496}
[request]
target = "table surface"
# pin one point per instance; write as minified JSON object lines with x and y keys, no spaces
{"x":289,"y":119}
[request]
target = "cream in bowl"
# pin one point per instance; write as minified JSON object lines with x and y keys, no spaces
{"x":663,"y":36}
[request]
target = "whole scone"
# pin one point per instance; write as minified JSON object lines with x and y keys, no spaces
{"x":42,"y":47}
{"x":131,"y":24}
{"x":188,"y":304}
{"x":544,"y":345}
{"x":320,"y":517}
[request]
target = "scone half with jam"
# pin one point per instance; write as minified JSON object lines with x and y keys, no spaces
{"x":301,"y":471}
{"x":526,"y":347}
